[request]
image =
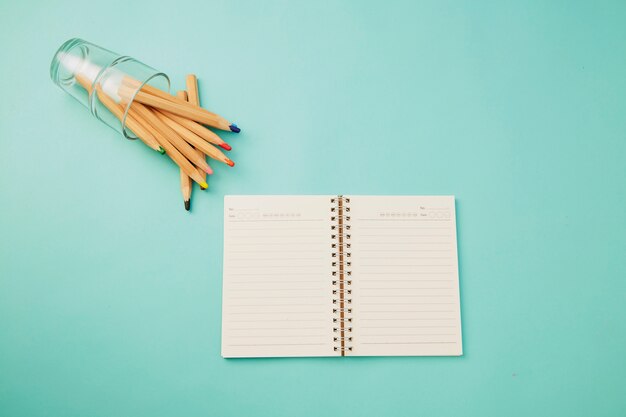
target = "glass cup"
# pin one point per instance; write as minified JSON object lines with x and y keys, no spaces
{"x":93,"y":75}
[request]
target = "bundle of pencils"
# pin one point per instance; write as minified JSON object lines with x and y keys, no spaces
{"x":174,"y":125}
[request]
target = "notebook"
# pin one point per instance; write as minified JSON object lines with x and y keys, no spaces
{"x":340,"y":276}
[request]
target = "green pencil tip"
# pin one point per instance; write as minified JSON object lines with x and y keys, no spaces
{"x":161,"y":150}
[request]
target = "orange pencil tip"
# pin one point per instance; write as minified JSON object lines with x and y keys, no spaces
{"x":230,"y":163}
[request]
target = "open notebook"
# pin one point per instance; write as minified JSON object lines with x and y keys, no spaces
{"x":340,"y":276}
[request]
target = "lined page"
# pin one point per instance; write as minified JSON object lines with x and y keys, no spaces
{"x":405,"y":276}
{"x":277,"y":294}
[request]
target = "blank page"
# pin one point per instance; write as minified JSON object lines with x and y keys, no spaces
{"x":405,"y":290}
{"x":277,"y":295}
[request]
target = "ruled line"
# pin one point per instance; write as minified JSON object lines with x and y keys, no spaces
{"x":277,"y":273}
{"x":408,"y":296}
{"x":275,"y":289}
{"x":406,"y":311}
{"x":274,"y":336}
{"x":278,"y":344}
{"x":407,"y":257}
{"x":404,"y":327}
{"x":405,"y":334}
{"x":405,"y":288}
{"x":408,"y":319}
{"x":397,"y":235}
{"x":284,"y":236}
{"x":403,"y":250}
{"x":407,"y":343}
{"x":286,"y":296}
{"x":395,"y":242}
{"x":277,"y":312}
{"x":264,"y":281}
{"x":290,"y":244}
{"x":273,"y":305}
{"x":402,"y":280}
{"x":274,"y":251}
{"x":263,"y":321}
{"x":283,"y":258}
{"x":405,"y":228}
{"x":273,"y":228}
{"x":403,"y":265}
{"x":275,"y":266}
{"x":405,"y":220}
{"x":276,"y":328}
{"x":406,"y":273}
{"x":275,"y":221}
{"x":402,"y":304}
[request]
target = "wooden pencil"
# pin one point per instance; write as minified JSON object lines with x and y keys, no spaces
{"x":186,"y":110}
{"x":183,"y":95}
{"x":148,"y":89}
{"x":199,"y":130}
{"x":146,"y":125}
{"x":186,"y":183}
{"x":118,"y":111}
{"x":141,"y":132}
{"x":140,"y":112}
{"x":195,"y":140}
{"x":151,"y":116}
{"x":191,"y":82}
{"x":193,"y":96}
{"x":169,"y":124}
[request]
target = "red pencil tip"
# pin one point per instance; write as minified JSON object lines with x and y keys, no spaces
{"x":230,"y":163}
{"x":225,"y":146}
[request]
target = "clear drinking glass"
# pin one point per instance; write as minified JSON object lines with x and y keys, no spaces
{"x":86,"y":71}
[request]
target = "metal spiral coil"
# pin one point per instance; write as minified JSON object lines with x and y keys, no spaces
{"x":342,"y":314}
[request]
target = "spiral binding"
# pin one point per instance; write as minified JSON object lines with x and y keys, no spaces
{"x":342,"y":312}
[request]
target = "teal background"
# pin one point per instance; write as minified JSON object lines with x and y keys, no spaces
{"x":110,"y":293}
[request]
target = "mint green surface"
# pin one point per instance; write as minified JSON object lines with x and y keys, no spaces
{"x":110,"y":293}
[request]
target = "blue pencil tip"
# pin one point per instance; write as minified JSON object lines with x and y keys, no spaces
{"x":234,"y":128}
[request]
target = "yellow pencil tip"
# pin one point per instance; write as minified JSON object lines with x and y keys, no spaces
{"x":204,"y":185}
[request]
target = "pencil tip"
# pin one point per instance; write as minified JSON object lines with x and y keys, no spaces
{"x":161,"y":150}
{"x":230,"y":163}
{"x":204,"y":185}
{"x":187,"y":205}
{"x":209,"y":171}
{"x":234,"y":128}
{"x":225,"y":146}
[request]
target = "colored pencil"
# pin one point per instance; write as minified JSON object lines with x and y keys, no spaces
{"x":193,"y":96}
{"x":196,"y":140}
{"x":199,"y":130}
{"x":152,"y":116}
{"x":186,"y":183}
{"x":150,"y":128}
{"x":148,"y":89}
{"x":183,"y":94}
{"x":179,"y":108}
{"x":174,"y":125}
{"x":118,"y":111}
{"x":148,"y":116}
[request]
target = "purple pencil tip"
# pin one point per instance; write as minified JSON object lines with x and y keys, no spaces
{"x":234,"y":128}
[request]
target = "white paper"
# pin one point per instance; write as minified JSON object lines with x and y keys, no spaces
{"x":405,"y":286}
{"x":277,"y":294}
{"x":278,"y":273}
